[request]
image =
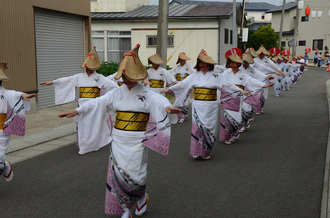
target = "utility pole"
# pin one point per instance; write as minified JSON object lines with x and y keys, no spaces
{"x":296,"y":22}
{"x":234,"y":25}
{"x":163,"y":9}
{"x":281,"y":25}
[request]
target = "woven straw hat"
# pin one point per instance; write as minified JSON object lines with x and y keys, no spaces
{"x":3,"y":67}
{"x":247,"y":57}
{"x":155,"y":59}
{"x":252,"y":52}
{"x":92,"y":60}
{"x":262,"y":50}
{"x":276,"y":58}
{"x":132,"y":66}
{"x":235,"y":55}
{"x":204,"y":57}
{"x":182,"y":56}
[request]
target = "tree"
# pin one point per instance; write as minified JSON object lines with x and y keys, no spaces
{"x":265,"y":36}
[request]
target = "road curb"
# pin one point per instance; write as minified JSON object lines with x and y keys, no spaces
{"x":325,"y":194}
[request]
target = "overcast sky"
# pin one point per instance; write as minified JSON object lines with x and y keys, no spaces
{"x":273,"y":2}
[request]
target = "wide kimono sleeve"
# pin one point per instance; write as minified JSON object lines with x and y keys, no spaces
{"x":169,"y":77}
{"x":157,"y":135}
{"x":182,"y":90}
{"x":97,"y":105}
{"x":107,"y":84}
{"x":273,"y":66}
{"x":259,"y":75}
{"x":230,"y":94}
{"x":15,"y":120}
{"x":65,"y":89}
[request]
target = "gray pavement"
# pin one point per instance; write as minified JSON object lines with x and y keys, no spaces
{"x":45,"y":133}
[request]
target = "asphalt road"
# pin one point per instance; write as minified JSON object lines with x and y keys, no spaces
{"x":274,"y":170}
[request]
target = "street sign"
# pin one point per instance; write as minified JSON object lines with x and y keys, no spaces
{"x":245,"y":34}
{"x":291,"y":43}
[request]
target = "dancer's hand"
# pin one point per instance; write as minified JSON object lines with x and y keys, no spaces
{"x":68,"y":114}
{"x":173,"y":110}
{"x":165,"y":90}
{"x":27,"y":97}
{"x":46,"y":83}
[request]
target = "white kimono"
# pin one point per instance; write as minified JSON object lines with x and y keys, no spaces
{"x":180,"y":73}
{"x":12,"y":108}
{"x":232,"y":117}
{"x":204,"y":112}
{"x":127,"y":172}
{"x":88,"y":138}
{"x":160,"y":76}
{"x":266,"y":66}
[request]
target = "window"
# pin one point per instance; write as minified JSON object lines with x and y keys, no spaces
{"x":152,"y":41}
{"x":262,"y":17}
{"x":231,"y":37}
{"x":98,"y":42}
{"x":119,"y":42}
{"x":304,"y":18}
{"x":318,"y":44}
{"x":226,"y":36}
{"x":283,"y":43}
{"x":302,"y":43}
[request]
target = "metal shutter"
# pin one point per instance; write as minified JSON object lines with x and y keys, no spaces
{"x":59,"y":49}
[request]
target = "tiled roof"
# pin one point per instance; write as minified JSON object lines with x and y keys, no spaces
{"x":288,"y":6}
{"x":249,"y":6}
{"x":200,"y":11}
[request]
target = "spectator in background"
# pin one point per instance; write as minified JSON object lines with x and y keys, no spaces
{"x":315,"y":59}
{"x":326,"y":52}
{"x":320,"y":59}
{"x":306,"y":61}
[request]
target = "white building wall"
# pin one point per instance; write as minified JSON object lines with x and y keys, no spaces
{"x":189,"y":36}
{"x":116,"y":5}
{"x":257,"y":16}
{"x":315,"y":28}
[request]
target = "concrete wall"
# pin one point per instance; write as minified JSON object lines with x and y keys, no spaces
{"x":18,"y":37}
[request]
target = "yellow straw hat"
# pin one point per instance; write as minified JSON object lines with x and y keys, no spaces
{"x":155,"y":59}
{"x":132,"y":66}
{"x":92,"y":60}
{"x":182,"y":56}
{"x":262,"y":50}
{"x":204,"y":57}
{"x":247,"y":57}
{"x":235,"y":55}
{"x":252,"y":52}
{"x":3,"y":67}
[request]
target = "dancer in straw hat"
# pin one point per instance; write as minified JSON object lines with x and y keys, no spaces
{"x":143,"y":120}
{"x":205,"y":83}
{"x":158,"y":77}
{"x":254,"y":99}
{"x":181,"y":71}
{"x":266,"y":66}
{"x":90,"y":84}
{"x":279,"y":80}
{"x":231,"y":119}
{"x":13,"y":105}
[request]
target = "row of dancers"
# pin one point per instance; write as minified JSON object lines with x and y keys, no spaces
{"x":144,"y":116}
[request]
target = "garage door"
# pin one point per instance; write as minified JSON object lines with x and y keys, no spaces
{"x":59,"y":49}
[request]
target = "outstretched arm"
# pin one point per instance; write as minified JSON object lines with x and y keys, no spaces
{"x":46,"y":83}
{"x":68,"y":114}
{"x":27,"y":97}
{"x":172,"y":110}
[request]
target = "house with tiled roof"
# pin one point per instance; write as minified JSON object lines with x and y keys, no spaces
{"x":190,"y":29}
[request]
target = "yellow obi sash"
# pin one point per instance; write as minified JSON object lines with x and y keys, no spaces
{"x":205,"y":94}
{"x":2,"y":120}
{"x":180,"y":78}
{"x":121,"y":83}
{"x":131,"y":121}
{"x":157,"y":83}
{"x":240,"y":86}
{"x":89,"y":92}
